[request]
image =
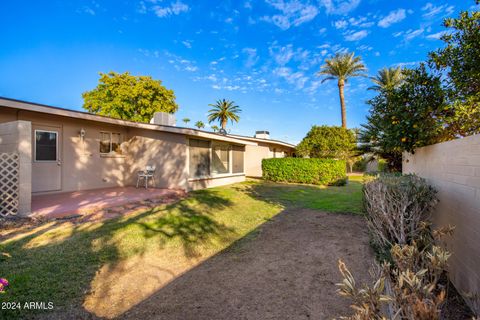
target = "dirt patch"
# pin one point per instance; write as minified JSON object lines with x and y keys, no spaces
{"x":286,"y":269}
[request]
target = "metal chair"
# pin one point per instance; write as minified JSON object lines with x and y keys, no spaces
{"x":148,"y":173}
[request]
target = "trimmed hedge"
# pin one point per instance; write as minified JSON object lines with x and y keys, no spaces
{"x":305,"y":170}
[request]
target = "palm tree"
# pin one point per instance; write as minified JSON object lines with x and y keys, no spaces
{"x":186,"y":120}
{"x":387,"y":78}
{"x":215,"y":128}
{"x":341,"y":67}
{"x":224,"y":110}
{"x":199,"y":124}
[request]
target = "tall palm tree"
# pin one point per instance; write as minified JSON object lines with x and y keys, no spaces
{"x":342,"y":67}
{"x":222,"y":111}
{"x":186,"y":120}
{"x":387,"y":78}
{"x":199,"y":124}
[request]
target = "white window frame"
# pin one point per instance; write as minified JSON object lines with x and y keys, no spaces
{"x":35,"y":146}
{"x":111,"y":141}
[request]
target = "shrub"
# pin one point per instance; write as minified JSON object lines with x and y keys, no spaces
{"x":396,"y":207}
{"x":300,"y":170}
{"x":382,"y":165}
{"x":327,"y":142}
{"x":360,"y":165}
{"x":407,"y":288}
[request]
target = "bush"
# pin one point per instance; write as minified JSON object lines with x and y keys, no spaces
{"x":407,"y":288}
{"x":327,"y":142}
{"x":360,"y":165}
{"x":407,"y":284}
{"x":396,"y":207}
{"x":382,"y":165}
{"x":300,"y":170}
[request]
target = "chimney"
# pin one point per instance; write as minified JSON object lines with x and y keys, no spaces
{"x":163,"y":118}
{"x":262,"y":134}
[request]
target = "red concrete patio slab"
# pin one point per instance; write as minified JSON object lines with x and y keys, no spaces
{"x":66,"y":204}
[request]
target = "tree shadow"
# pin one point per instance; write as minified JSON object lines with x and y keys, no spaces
{"x":64,"y":258}
{"x":339,"y":199}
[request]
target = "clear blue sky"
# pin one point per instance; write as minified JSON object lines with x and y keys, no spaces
{"x":261,"y":54}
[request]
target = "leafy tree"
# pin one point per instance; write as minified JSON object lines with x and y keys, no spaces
{"x":327,"y":142}
{"x":459,"y":60}
{"x":128,"y":97}
{"x":222,"y":111}
{"x":387,"y":78}
{"x":199,"y":124}
{"x":186,"y":120}
{"x":407,"y":117}
{"x":342,"y":67}
{"x":215,"y":128}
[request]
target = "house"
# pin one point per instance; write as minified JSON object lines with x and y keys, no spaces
{"x":58,"y":150}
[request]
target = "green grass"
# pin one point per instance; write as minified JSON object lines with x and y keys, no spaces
{"x":58,"y":261}
{"x":343,"y":199}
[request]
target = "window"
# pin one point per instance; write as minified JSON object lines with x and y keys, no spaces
{"x":199,"y":158}
{"x":46,"y":145}
{"x":210,"y":159}
{"x":110,"y":142}
{"x":220,"y":159}
{"x":237,"y":159}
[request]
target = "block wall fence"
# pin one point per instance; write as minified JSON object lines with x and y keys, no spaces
{"x":453,"y":167}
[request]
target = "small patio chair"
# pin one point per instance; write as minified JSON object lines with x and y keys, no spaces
{"x":148,"y":173}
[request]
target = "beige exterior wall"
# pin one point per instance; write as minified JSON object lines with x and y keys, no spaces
{"x":255,"y":154}
{"x":453,"y":167}
{"x":167,"y":151}
{"x":15,"y":137}
{"x":82,"y":165}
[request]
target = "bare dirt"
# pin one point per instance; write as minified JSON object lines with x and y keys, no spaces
{"x":286,"y":269}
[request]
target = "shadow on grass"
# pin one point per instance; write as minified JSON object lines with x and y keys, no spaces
{"x":57,"y":262}
{"x":338,"y":199}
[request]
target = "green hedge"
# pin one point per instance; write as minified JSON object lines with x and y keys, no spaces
{"x":302,"y":170}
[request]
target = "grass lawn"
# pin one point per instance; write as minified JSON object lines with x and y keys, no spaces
{"x":107,"y":267}
{"x":346,"y":199}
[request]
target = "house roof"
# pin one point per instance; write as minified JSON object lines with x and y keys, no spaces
{"x":269,"y":141}
{"x":36,"y":107}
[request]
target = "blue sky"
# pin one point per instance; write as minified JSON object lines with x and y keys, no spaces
{"x":263,"y":54}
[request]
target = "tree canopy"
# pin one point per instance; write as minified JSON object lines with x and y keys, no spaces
{"x":406,"y":117}
{"x":222,"y":111}
{"x":459,"y":61}
{"x":429,"y":105}
{"x":327,"y":142}
{"x":127,"y":97}
{"x":342,"y":67}
{"x":387,"y":78}
{"x":200,"y":124}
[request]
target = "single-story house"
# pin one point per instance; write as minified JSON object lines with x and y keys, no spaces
{"x":60,"y":150}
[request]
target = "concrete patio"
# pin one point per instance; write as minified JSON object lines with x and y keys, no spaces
{"x":62,"y":205}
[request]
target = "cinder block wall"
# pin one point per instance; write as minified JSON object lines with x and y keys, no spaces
{"x":16,"y":137}
{"x":453,"y":167}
